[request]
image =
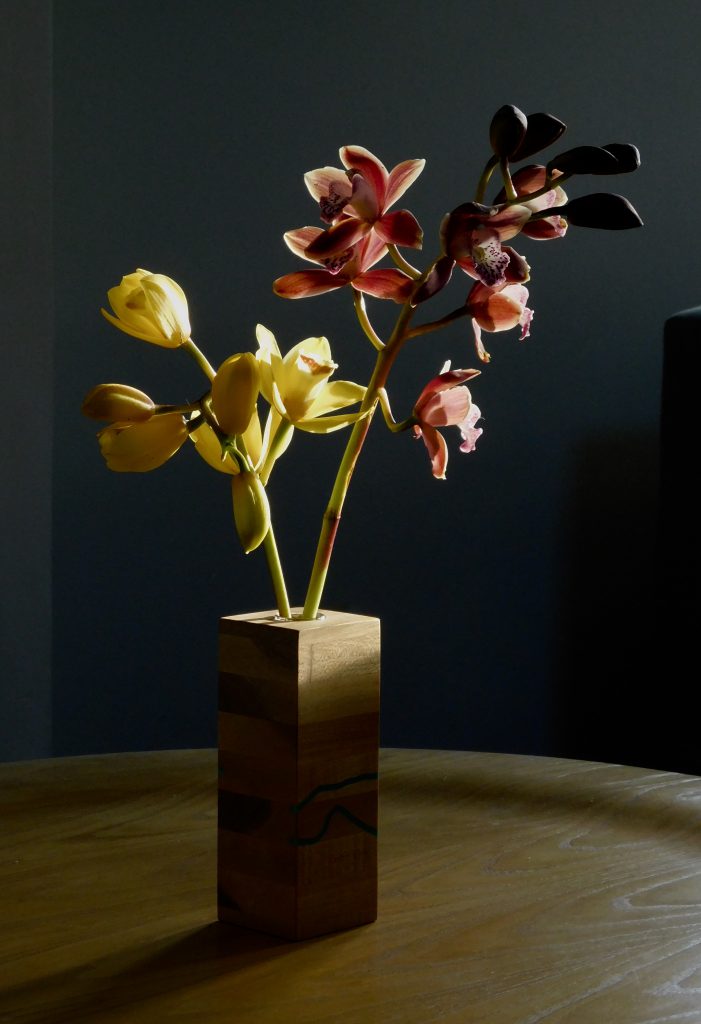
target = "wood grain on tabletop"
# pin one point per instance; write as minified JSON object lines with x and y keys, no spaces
{"x":513,"y":890}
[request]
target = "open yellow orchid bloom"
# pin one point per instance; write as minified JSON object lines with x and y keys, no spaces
{"x":151,"y":307}
{"x":297,"y":385}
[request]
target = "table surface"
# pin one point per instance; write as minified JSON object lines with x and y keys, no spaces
{"x":513,"y":890}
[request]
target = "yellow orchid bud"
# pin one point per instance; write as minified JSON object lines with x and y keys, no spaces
{"x":151,"y":307}
{"x":117,"y":403}
{"x":251,"y":509}
{"x":235,"y":392}
{"x":140,"y":447}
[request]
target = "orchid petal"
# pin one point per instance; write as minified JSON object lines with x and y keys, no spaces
{"x":400,"y":178}
{"x":208,"y":447}
{"x":338,"y":237}
{"x":303,"y":283}
{"x":336,"y":394}
{"x":469,"y":432}
{"x":140,"y":447}
{"x":366,"y":163}
{"x":400,"y":228}
{"x":321,"y":181}
{"x":385,"y":284}
{"x":446,"y":408}
{"x":445,"y":380}
{"x":437,"y":450}
{"x":327,"y":424}
{"x":365,"y":201}
{"x":482,"y":353}
{"x":300,"y":239}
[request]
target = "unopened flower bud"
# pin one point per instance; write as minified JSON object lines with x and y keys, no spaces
{"x":118,"y":403}
{"x":251,"y":509}
{"x":152,"y":307}
{"x":235,"y":391}
{"x":140,"y":447}
{"x":507,"y":130}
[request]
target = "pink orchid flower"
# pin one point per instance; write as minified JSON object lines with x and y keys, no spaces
{"x":351,"y":267}
{"x":498,"y":309}
{"x":472,"y":235}
{"x":532,"y":179}
{"x":355,"y":201}
{"x":445,"y":402}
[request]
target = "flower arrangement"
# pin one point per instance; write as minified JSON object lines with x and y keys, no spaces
{"x":360,"y":228}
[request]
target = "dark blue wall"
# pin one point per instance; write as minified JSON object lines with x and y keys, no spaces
{"x":514,"y":596}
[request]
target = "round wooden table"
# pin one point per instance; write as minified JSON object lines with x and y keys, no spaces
{"x":513,"y":890}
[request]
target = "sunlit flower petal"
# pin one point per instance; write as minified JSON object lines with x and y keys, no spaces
{"x":118,"y":403}
{"x":235,"y":391}
{"x":444,"y":402}
{"x":208,"y":447}
{"x":151,"y":307}
{"x":140,"y":447}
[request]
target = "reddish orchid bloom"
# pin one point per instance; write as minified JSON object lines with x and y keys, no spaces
{"x":498,"y":309}
{"x":355,"y":201}
{"x":351,"y":267}
{"x":472,"y":236}
{"x":532,"y":179}
{"x":445,"y":402}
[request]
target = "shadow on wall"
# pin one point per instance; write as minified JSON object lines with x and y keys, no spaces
{"x":617,"y":699}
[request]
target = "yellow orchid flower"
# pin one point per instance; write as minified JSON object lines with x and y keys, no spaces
{"x":151,"y":307}
{"x":140,"y":447}
{"x":297,"y":386}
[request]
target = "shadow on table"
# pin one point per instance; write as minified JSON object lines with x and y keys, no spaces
{"x":129,"y":977}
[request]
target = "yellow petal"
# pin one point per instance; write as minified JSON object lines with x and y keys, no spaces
{"x":303,"y":372}
{"x":168,"y":307}
{"x":253,"y":440}
{"x":327,"y":424}
{"x":140,"y":447}
{"x":208,"y":447}
{"x":335,"y":394}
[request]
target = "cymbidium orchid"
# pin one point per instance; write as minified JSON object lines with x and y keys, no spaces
{"x":355,"y":201}
{"x":498,"y":309}
{"x":297,"y":385}
{"x":446,"y":402}
{"x":361,"y":230}
{"x":351,"y":267}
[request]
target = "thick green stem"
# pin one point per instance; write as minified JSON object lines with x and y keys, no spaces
{"x":191,"y":348}
{"x":402,"y":264}
{"x":275,"y":570}
{"x":332,"y":515}
{"x":484,"y":180}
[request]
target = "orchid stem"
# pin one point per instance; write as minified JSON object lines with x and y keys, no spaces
{"x":400,"y":262}
{"x":435,"y":325}
{"x":484,"y":180}
{"x":364,"y":321}
{"x":508,"y":183}
{"x":191,"y":348}
{"x":276,"y":575}
{"x":332,"y":515}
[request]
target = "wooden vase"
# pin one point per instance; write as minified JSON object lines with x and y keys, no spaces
{"x":298,"y":764}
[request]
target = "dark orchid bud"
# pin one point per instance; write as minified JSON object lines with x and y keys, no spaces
{"x":437,"y":279}
{"x":600,"y":210}
{"x":584,"y":160}
{"x":507,"y":130}
{"x":628,"y":156}
{"x":542,"y":131}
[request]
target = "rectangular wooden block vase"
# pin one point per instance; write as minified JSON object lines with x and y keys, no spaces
{"x":298,"y":764}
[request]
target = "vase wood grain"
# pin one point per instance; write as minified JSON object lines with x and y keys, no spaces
{"x":298,"y":764}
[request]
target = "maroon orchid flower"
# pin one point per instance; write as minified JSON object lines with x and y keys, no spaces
{"x":472,"y":235}
{"x":498,"y":309}
{"x":351,"y":267}
{"x":355,"y":201}
{"x":445,"y":402}
{"x":532,"y":179}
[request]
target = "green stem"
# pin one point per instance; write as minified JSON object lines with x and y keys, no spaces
{"x":508,"y":183}
{"x":400,"y":262}
{"x":276,"y":575}
{"x":484,"y":180}
{"x":332,"y":515}
{"x":364,"y":321}
{"x":281,"y":435}
{"x":191,"y":348}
